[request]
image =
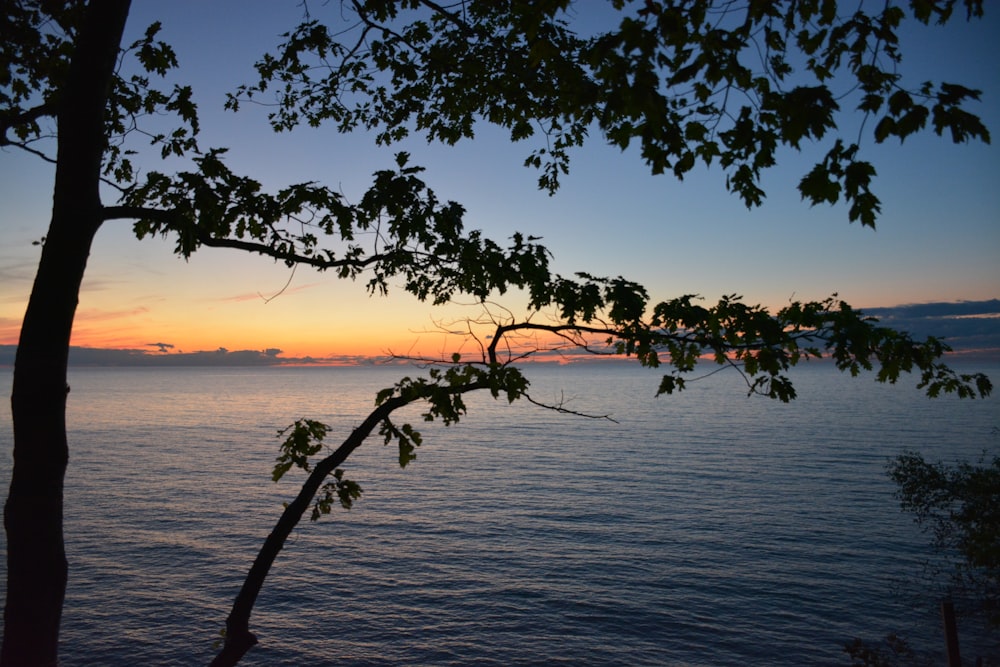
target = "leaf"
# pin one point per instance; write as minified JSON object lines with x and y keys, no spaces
{"x":817,"y":186}
{"x":669,"y":384}
{"x":899,"y":102}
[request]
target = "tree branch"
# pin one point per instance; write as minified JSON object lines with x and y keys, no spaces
{"x":451,"y":17}
{"x":175,"y":220}
{"x":239,"y":639}
{"x":559,"y":407}
{"x":24,"y":147}
{"x":385,"y":30}
{"x":137,"y":212}
{"x":29,"y":116}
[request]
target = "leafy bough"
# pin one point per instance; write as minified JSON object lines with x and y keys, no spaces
{"x":726,"y":84}
{"x":602,"y":317}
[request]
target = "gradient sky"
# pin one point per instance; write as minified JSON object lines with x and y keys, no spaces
{"x":938,"y":237}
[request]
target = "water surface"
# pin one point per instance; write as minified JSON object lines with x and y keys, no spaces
{"x":706,"y":528}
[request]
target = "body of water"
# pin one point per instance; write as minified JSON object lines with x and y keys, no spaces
{"x":706,"y":528}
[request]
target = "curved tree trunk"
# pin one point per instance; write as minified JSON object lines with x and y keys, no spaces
{"x":239,"y":638}
{"x":36,"y":560}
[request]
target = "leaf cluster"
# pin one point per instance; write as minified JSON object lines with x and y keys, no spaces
{"x":35,"y":53}
{"x":442,"y":391}
{"x":34,"y":60}
{"x":706,"y":81}
{"x":893,"y":651}
{"x":763,"y":344}
{"x":713,"y":82}
{"x":302,"y":440}
{"x":398,"y":228}
{"x":133,"y":98}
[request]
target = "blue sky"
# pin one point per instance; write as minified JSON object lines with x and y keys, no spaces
{"x":938,"y":238}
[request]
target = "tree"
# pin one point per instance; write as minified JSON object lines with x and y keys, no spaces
{"x":666,"y":77}
{"x":603,"y":317}
{"x":959,"y":506}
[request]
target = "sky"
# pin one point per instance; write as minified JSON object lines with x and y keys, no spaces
{"x":938,"y":237}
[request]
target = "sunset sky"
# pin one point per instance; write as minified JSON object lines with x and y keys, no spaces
{"x":938,"y":237}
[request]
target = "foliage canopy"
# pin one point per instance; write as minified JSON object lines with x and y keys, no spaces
{"x":726,"y":84}
{"x":718,"y":82}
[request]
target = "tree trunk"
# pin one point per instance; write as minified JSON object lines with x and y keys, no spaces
{"x":36,"y":559}
{"x":239,"y":639}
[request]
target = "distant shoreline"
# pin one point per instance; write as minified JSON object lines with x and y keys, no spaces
{"x":106,"y":358}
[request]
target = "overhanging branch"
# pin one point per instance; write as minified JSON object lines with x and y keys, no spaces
{"x":176,"y":221}
{"x":239,"y":639}
{"x":28,"y":116}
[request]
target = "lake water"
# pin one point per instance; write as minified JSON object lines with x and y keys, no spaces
{"x":706,"y":528}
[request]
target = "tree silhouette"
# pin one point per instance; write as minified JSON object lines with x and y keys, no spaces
{"x":761,"y":346}
{"x":959,"y":506}
{"x":707,"y":81}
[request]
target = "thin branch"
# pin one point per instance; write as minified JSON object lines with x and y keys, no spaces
{"x":24,"y":147}
{"x":385,"y":30}
{"x":556,"y":329}
{"x":269,"y":299}
{"x":566,"y":411}
{"x":288,"y":256}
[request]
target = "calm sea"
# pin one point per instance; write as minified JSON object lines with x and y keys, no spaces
{"x":706,"y":528}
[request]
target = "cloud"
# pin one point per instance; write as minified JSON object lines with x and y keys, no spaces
{"x":93,"y":356}
{"x":10,"y":328}
{"x":945,"y":309}
{"x":965,"y":325}
{"x":86,"y":356}
{"x":98,"y":315}
{"x":258,"y":296}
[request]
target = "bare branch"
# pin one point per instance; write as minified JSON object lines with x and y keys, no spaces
{"x":24,"y":147}
{"x":560,"y":408}
{"x":269,"y":299}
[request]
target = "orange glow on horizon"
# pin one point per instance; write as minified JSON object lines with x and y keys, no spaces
{"x":130,"y":332}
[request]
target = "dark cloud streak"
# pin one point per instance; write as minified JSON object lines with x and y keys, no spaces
{"x":943,"y":309}
{"x":965,"y":325}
